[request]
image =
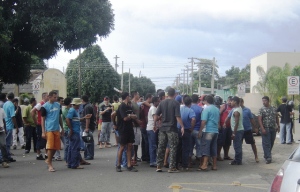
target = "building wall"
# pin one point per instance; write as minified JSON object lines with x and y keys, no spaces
{"x":267,"y":60}
{"x":52,"y":79}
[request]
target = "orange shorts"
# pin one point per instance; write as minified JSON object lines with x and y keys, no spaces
{"x":53,"y":140}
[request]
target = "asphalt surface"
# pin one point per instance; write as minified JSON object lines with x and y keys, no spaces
{"x":28,"y":174}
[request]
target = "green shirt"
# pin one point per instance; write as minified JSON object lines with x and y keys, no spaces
{"x":232,"y":119}
{"x":64,"y":116}
{"x":26,"y":114}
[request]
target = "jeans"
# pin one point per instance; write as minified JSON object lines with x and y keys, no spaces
{"x":152,"y":140}
{"x":66,"y":145}
{"x":74,"y":151}
{"x":82,"y":145}
{"x":30,"y":133}
{"x":145,"y":145}
{"x":105,"y":132}
{"x":237,"y":145}
{"x":285,"y":133}
{"x":186,"y":142}
{"x":8,"y":140}
{"x":268,"y":142}
{"x":195,"y":141}
{"x":3,"y":154}
{"x":89,"y":148}
{"x":20,"y":135}
{"x":124,"y":154}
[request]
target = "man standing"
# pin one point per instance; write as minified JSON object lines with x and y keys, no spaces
{"x":88,"y":125}
{"x":30,"y":128}
{"x":36,"y":112}
{"x":2,"y":139}
{"x":144,"y":120}
{"x":268,"y":122}
{"x":67,"y":103}
{"x":247,"y":121}
{"x":106,"y":111}
{"x":11,"y":123}
{"x":135,"y":96}
{"x":189,"y":119}
{"x":19,"y":120}
{"x":285,"y":122}
{"x":51,"y":120}
{"x":168,"y":132}
{"x":209,"y":133}
{"x":237,"y":127}
{"x":125,"y":118}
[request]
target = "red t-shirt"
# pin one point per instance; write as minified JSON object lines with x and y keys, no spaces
{"x":224,"y":115}
{"x":143,"y":115}
{"x":38,"y":108}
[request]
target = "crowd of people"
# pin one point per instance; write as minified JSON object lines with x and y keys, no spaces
{"x":174,"y":131}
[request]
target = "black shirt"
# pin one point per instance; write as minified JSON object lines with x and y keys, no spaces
{"x":285,"y":110}
{"x":18,"y":116}
{"x":122,"y":112}
{"x":106,"y":117}
{"x":88,"y":109}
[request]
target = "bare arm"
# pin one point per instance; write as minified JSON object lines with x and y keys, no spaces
{"x":193,"y":122}
{"x":237,"y":120}
{"x":33,"y":115}
{"x":43,"y":127}
{"x":261,"y":125}
{"x":179,"y":120}
{"x":203,"y":123}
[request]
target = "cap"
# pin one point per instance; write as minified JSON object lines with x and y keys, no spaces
{"x":76,"y":101}
{"x":178,"y":98}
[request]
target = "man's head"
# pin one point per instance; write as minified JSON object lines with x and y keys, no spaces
{"x":67,"y":102}
{"x":155,"y":101}
{"x":60,"y":100}
{"x":162,"y":95}
{"x":135,"y":95}
{"x":85,"y":99}
{"x":76,"y":102}
{"x":171,"y":92}
{"x":266,"y":101}
{"x":106,"y":100}
{"x":45,"y":96}
{"x":2,"y":97}
{"x":235,"y":101}
{"x":187,"y":100}
{"x":52,"y":96}
{"x":209,"y":99}
{"x":148,"y":97}
{"x":116,"y":98}
{"x":15,"y":102}
{"x":229,"y":99}
{"x":284,"y":99}
{"x":32,"y":101}
{"x":26,"y":101}
{"x":195,"y":98}
{"x":10,"y":96}
{"x":179,"y":99}
{"x":125,"y":96}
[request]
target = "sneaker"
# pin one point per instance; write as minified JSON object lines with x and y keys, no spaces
{"x":185,"y":169}
{"x":14,"y":147}
{"x":235,"y":163}
{"x":46,"y":156}
{"x":173,"y":170}
{"x":58,"y":158}
{"x":268,"y":161}
{"x":132,"y":169}
{"x":124,"y":166}
{"x":26,"y":151}
{"x":5,"y":165}
{"x":40,"y":157}
{"x":118,"y":169}
{"x":11,"y":160}
{"x":23,"y":146}
{"x":88,"y":158}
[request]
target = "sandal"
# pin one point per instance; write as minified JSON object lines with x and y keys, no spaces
{"x":79,"y":167}
{"x":228,"y":158}
{"x":85,"y":163}
{"x":134,"y":163}
{"x":220,"y":158}
{"x":51,"y":170}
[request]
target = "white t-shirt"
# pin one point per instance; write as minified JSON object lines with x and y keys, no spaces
{"x":151,"y":112}
{"x":2,"y":116}
{"x":38,"y":106}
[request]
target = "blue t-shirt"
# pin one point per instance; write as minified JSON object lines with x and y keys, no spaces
{"x":186,"y":115}
{"x":247,"y":116}
{"x":197,"y":109}
{"x":52,"y":116}
{"x":211,"y":115}
{"x":73,"y":115}
{"x":9,"y":110}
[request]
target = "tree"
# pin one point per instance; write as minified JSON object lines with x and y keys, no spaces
{"x":43,"y":27}
{"x":37,"y":63}
{"x":98,"y":77}
{"x":142,"y":84}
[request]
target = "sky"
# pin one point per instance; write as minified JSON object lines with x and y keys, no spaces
{"x":155,"y":38}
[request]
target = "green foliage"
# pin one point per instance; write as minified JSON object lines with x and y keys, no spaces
{"x":143,"y":85}
{"x":98,"y":77}
{"x":37,"y":63}
{"x":42,"y":27}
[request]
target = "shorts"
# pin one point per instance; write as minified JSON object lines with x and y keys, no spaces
{"x":209,"y":144}
{"x":41,"y":142}
{"x":99,"y":125}
{"x":227,"y":133}
{"x":248,"y":136}
{"x":137,"y":135}
{"x":126,"y":135}
{"x":53,"y":140}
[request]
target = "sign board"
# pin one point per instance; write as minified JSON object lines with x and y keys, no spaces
{"x":36,"y":85}
{"x":293,"y":85}
{"x":241,"y":90}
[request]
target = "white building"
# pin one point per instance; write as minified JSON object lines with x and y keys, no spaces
{"x":269,"y":59}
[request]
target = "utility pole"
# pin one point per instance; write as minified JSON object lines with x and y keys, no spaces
{"x":129,"y":81}
{"x":213,"y":76}
{"x":183,"y":80}
{"x":122,"y":76}
{"x":187,"y":79}
{"x":116,"y":64}
{"x":79,"y":75}
{"x":179,"y":79}
{"x":192,"y":78}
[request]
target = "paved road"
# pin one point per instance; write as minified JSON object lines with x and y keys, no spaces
{"x":28,"y":174}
